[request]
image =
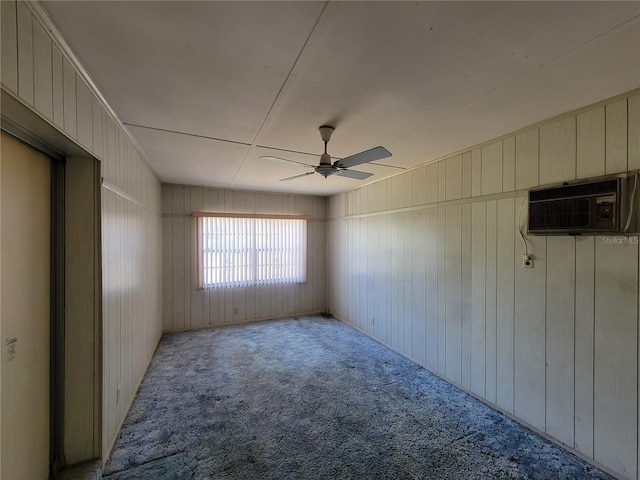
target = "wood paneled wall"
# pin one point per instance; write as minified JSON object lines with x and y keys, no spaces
{"x":131,"y":289}
{"x":36,"y":70}
{"x":429,"y":262}
{"x":185,"y":307}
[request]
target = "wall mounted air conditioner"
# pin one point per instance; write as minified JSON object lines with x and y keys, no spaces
{"x":591,"y":207}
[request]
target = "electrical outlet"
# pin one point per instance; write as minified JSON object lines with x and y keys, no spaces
{"x":527,"y":261}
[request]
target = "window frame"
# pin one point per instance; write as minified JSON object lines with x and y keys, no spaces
{"x":254,"y":282}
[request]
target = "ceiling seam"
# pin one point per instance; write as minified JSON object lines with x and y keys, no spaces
{"x":278,"y":95}
{"x":187,"y":134}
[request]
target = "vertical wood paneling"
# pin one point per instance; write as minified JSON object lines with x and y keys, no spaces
{"x":396,"y":288}
{"x":555,"y":345}
{"x":97,"y":136}
{"x":405,"y":193}
{"x":111,"y":315}
{"x":189,"y":270}
{"x":490,"y":304}
{"x":616,"y":137}
{"x":85,"y":119}
{"x":442,"y":181}
{"x":453,"y":183}
{"x":9,"y":45}
{"x":505,"y":272}
{"x":42,"y":72}
{"x":491,"y":158}
{"x":70,"y":98}
{"x":35,"y":68}
{"x":431,"y":288}
{"x":407,"y":290}
{"x":616,"y":355}
{"x":382,"y":285}
{"x":633,"y":141}
{"x":393,"y":201}
{"x":432,"y":183}
{"x":590,"y":143}
{"x":178,"y":258}
{"x":109,"y":162}
{"x":466,"y":174}
{"x":530,"y":306}
{"x":558,"y":151}
{"x":120,"y":154}
{"x":509,"y":164}
{"x":476,"y":172}
{"x":418,"y":187}
{"x":478,"y":296}
{"x":25,"y":53}
{"x":466,"y":296}
{"x":527,"y":159}
{"x":560,"y":339}
{"x":584,"y":325}
{"x":418,"y":300}
{"x":167,"y":262}
{"x":187,"y":307}
{"x":58,"y":87}
{"x":131,"y":304}
{"x":442,"y":285}
{"x":453,"y":294}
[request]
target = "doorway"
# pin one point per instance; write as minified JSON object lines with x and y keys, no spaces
{"x":25,"y":302}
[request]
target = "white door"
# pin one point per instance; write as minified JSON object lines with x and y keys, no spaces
{"x":25,"y":220}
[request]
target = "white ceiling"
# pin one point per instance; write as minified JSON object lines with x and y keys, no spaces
{"x":208,"y":87}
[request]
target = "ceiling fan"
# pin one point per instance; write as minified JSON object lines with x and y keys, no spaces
{"x":339,"y":167}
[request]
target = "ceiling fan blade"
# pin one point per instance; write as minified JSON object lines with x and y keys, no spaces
{"x":297,"y":176}
{"x":358,"y":175}
{"x":278,"y":159}
{"x":363,"y":157}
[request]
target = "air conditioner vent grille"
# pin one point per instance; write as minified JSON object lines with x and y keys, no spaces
{"x":564,"y":213}
{"x":579,"y":190}
{"x":591,"y":207}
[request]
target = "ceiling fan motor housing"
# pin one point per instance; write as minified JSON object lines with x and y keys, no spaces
{"x":325,"y":159}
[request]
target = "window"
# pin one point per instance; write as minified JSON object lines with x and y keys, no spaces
{"x":251,"y":250}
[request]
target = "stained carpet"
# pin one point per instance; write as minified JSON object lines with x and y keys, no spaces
{"x":312,"y":398}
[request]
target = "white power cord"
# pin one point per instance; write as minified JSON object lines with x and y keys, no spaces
{"x":524,"y":241}
{"x":631,"y":203}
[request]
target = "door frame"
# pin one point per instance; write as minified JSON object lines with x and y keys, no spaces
{"x":57,"y":292}
{"x":76,"y":408}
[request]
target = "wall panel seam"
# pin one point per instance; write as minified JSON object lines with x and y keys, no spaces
{"x":546,"y":293}
{"x":513,"y":360}
{"x":447,"y":203}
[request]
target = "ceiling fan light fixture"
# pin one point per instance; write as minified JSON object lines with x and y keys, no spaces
{"x":325,"y":170}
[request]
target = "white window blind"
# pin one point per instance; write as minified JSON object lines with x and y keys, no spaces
{"x":244,"y":251}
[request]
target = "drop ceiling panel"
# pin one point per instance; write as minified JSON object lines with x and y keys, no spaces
{"x":390,"y":70}
{"x":190,"y":160}
{"x":423,"y":79}
{"x":206,"y":68}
